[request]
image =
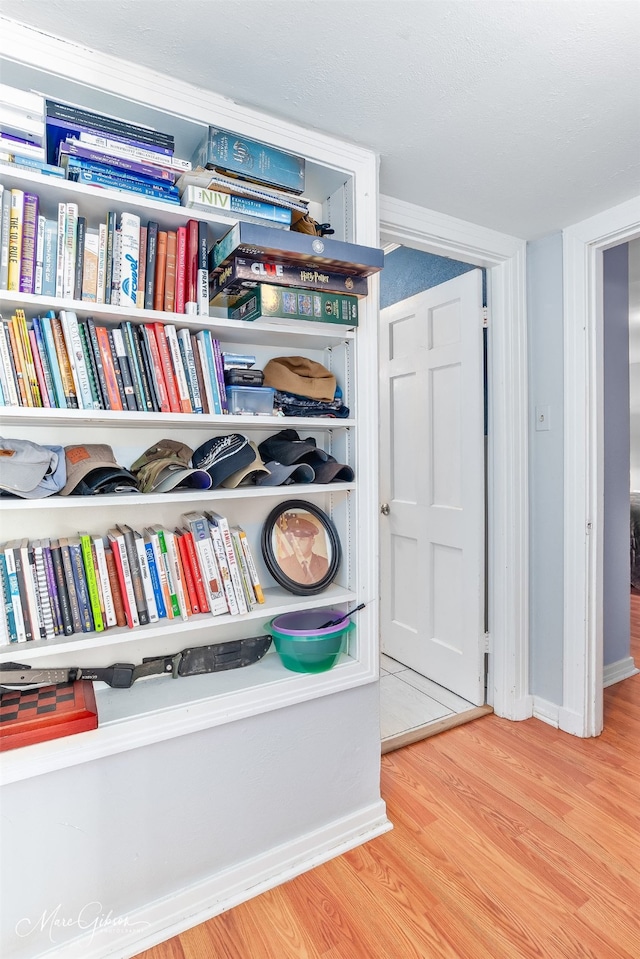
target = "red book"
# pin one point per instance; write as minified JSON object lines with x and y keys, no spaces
{"x":190,"y":546}
{"x":191,"y":291}
{"x":158,"y":374}
{"x":185,"y":589}
{"x":170,"y":272}
{"x":189,"y":582}
{"x":181,"y":269}
{"x":113,"y":393}
{"x":115,"y":551}
{"x":161,"y":268}
{"x":46,"y":712}
{"x":114,"y":584}
{"x":167,"y":367}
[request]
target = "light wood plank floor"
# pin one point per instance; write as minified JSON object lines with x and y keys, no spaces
{"x":510,"y":841}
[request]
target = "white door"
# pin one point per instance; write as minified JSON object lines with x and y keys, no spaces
{"x":432,"y":525}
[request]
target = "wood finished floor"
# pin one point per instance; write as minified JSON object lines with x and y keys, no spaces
{"x":510,"y":841}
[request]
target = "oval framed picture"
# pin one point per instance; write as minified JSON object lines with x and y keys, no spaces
{"x":301,"y":547}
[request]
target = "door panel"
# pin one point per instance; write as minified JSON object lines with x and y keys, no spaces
{"x":432,"y":477}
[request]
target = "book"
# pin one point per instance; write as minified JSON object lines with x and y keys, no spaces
{"x":145,"y":575}
{"x":231,"y":599}
{"x":265,"y":243}
{"x":120,"y":557}
{"x":42,"y":384}
{"x":108,"y":256}
{"x":157,"y":371}
{"x":81,"y":229}
{"x":80,"y":580}
{"x":232,"y":205}
{"x":54,"y":596}
{"x":181,"y":269}
{"x":219,"y":181}
{"x":108,"y":367}
{"x":41,"y":613}
{"x":99,"y":402}
{"x":115,"y":268}
{"x":15,"y":239}
{"x":214,"y":589}
{"x":34,"y":164}
{"x":151,"y":538}
{"x":170,"y":273}
{"x":102,"y":263}
{"x":92,"y":582}
{"x":31,"y":206}
{"x":73,"y":148}
{"x":114,"y":584}
{"x":145,"y":365}
{"x":208,"y":375}
{"x":110,"y":181}
{"x":173,"y":605}
{"x":49,"y":258}
{"x":191,"y":268}
{"x":22,"y":125}
{"x":129,"y":259}
{"x":10,"y":549}
{"x":134,"y":368}
{"x":167,"y":366}
{"x":122,"y":360}
{"x":60,"y":247}
{"x":19,"y":147}
{"x":222,"y":389}
{"x":73,"y":165}
{"x":89,"y":290}
{"x":241,"y":560}
{"x":251,"y":566}
{"x":7,"y":605}
{"x":186,"y":352}
{"x":202,"y":273}
{"x":22,"y":335}
{"x":9,"y":381}
{"x":150,"y":270}
{"x":69,"y":249}
{"x":222,"y":524}
{"x":75,"y":118}
{"x":250,"y":159}
{"x":194,"y":563}
{"x":241,"y":273}
{"x":18,"y":364}
{"x":154,"y":574}
{"x":42,"y":352}
{"x":178,"y":369}
{"x":38,"y":275}
{"x":140,"y":599}
{"x":65,"y":553}
{"x":63,"y":592}
{"x":75,"y":354}
{"x":199,"y":373}
{"x":142,"y":268}
{"x":186,"y":579}
{"x":117,"y":148}
{"x":5,"y":225}
{"x":160,"y":275}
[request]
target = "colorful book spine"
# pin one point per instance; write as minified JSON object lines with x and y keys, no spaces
{"x":184,"y":340}
{"x":113,"y":182}
{"x":145,"y":576}
{"x":191,"y":272}
{"x":38,"y":276}
{"x":102,"y":259}
{"x":150,"y":268}
{"x":74,"y":149}
{"x":214,"y":589}
{"x":80,"y":580}
{"x":102,"y":575}
{"x":217,"y":355}
{"x":63,"y":592}
{"x":170,"y":272}
{"x":10,"y":551}
{"x":49,"y":258}
{"x":5,"y":222}
{"x":136,"y":575}
{"x":54,"y":597}
{"x":178,"y":368}
{"x":15,"y":239}
{"x":81,"y":232}
{"x":230,"y":204}
{"x":119,"y":549}
{"x":43,"y":353}
{"x":253,"y":572}
{"x":29,"y":242}
{"x":157,"y":371}
{"x":167,"y":560}
{"x":155,"y":578}
{"x":109,"y":251}
{"x":61,"y":227}
{"x":194,"y":563}
{"x":129,"y":259}
{"x":181,"y":269}
{"x":69,"y":252}
{"x":7,"y":605}
{"x":65,"y":552}
{"x":42,"y":588}
{"x":114,"y":583}
{"x":89,"y":288}
{"x":202,"y":275}
{"x":76,"y":356}
{"x":167,"y":367}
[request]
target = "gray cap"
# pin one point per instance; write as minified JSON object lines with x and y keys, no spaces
{"x":31,"y":470}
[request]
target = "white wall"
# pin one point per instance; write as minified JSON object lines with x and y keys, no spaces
{"x":634,"y":360}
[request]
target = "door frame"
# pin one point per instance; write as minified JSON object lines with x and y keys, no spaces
{"x":583,"y":247}
{"x":504,"y":258}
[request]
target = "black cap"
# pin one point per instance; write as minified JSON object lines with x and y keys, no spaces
{"x":223,"y":455}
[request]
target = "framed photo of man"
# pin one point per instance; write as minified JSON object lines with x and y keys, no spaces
{"x":301,"y":547}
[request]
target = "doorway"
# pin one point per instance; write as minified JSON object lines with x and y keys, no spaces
{"x":432,"y":482}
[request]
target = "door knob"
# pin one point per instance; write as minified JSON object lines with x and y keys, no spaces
{"x":385,"y":509}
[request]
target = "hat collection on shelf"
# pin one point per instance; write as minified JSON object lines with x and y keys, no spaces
{"x":32,"y":471}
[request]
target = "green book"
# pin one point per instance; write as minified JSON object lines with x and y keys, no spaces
{"x":92,"y":581}
{"x":175,"y":605}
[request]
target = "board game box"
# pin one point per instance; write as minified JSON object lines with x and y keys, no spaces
{"x":267,"y":243}
{"x":41,"y":713}
{"x":241,"y":274}
{"x":289,"y":303}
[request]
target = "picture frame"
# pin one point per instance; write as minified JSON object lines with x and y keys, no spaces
{"x":301,"y":547}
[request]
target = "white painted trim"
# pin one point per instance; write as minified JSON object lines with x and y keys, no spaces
{"x":583,"y":245}
{"x":546,"y":712}
{"x":504,"y":258}
{"x":616,"y":672}
{"x":188,"y":907}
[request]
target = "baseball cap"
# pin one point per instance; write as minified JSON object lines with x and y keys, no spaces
{"x":30,"y":470}
{"x":300,"y":375}
{"x":166,"y":466}
{"x":286,"y":447}
{"x":251,"y":473}
{"x":92,"y":469}
{"x":280,"y":475}
{"x":223,"y":455}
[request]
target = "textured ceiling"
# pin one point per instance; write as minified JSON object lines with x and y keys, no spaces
{"x":520,"y":116}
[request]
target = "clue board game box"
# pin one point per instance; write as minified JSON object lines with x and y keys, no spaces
{"x":241,"y":274}
{"x":266,"y":242}
{"x":250,"y":160}
{"x":289,"y":303}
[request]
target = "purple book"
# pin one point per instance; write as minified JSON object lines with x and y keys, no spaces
{"x":53,"y":590}
{"x":70,"y":148}
{"x":29,"y":243}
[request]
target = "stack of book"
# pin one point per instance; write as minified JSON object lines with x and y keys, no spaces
{"x":120,"y":261}
{"x":90,"y":583}
{"x":22,"y":131}
{"x":111,"y":153}
{"x":66,"y":362}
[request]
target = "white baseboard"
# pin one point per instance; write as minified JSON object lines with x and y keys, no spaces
{"x":188,"y":907}
{"x":547,"y":712}
{"x":616,"y":672}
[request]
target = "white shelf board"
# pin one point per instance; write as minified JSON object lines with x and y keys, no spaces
{"x":277,"y":600}
{"x":265,"y":332}
{"x":178,"y":497}
{"x":136,"y":419}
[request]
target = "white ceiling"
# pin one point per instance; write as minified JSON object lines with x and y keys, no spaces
{"x":516,"y":115}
